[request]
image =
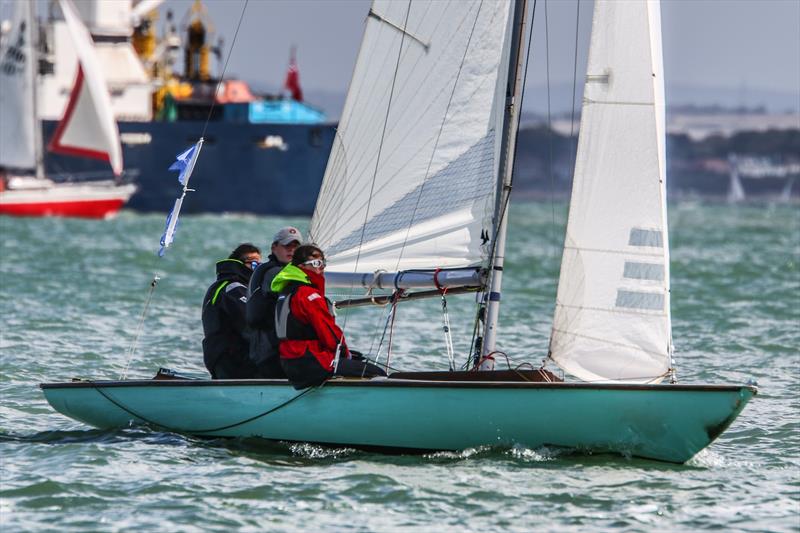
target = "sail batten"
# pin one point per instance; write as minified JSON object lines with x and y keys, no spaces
{"x":612,"y":315}
{"x":412,"y":177}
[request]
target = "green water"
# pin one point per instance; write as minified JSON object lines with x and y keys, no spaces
{"x":72,"y":294}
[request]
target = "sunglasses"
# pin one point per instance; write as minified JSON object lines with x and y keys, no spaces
{"x":316,"y":263}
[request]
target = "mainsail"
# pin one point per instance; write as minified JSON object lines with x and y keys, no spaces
{"x":88,"y":128}
{"x":17,"y":92}
{"x":412,"y":177}
{"x":612,"y":316}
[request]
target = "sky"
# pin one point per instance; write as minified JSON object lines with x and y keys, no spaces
{"x":734,"y":52}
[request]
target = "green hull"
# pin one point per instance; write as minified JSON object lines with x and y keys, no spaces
{"x":664,"y":422}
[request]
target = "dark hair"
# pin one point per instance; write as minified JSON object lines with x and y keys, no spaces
{"x":304,"y":251}
{"x":244,"y":249}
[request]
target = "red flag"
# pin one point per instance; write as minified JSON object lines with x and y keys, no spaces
{"x":292,"y":83}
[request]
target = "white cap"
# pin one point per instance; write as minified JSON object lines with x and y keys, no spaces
{"x":287,"y":235}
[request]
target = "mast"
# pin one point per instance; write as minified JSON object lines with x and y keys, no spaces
{"x":34,"y":58}
{"x":507,"y":148}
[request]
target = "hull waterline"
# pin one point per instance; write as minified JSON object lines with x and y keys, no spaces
{"x":663,"y":422}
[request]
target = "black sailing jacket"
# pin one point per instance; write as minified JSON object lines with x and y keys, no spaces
{"x":227,"y":340}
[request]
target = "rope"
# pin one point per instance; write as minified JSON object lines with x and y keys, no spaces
{"x":448,"y":338}
{"x":395,"y":299}
{"x":132,"y":349}
{"x":209,"y":430}
{"x":224,"y":68}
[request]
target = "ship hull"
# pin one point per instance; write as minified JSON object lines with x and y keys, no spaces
{"x":266,"y":169}
{"x":79,"y":200}
{"x":663,"y":422}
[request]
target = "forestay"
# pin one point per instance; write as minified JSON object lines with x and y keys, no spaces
{"x":612,"y":317}
{"x":17,"y":91}
{"x":412,"y":176}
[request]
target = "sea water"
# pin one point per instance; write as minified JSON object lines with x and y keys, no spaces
{"x":73,"y":295}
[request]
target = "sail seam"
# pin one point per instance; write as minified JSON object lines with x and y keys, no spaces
{"x":612,"y":102}
{"x":616,"y":252}
{"x":598,"y":339}
{"x":615,"y":310}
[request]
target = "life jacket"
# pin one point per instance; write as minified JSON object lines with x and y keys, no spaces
{"x":287,"y":327}
{"x":260,"y":297}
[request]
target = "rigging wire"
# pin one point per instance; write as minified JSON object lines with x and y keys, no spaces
{"x":378,"y":158}
{"x":438,"y":136}
{"x":549,"y":129}
{"x":574,"y":84}
{"x":224,"y":68}
{"x":154,"y":282}
{"x":575,"y":154}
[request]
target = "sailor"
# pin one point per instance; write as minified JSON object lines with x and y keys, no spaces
{"x":261,"y":304}
{"x":312,"y":347}
{"x":226,"y":343}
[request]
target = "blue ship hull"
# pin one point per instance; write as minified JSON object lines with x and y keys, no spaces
{"x":237,"y":171}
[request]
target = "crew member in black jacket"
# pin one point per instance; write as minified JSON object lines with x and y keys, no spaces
{"x":226,"y":344}
{"x":261,"y":304}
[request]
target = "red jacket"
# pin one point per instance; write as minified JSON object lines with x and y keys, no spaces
{"x":309,"y":306}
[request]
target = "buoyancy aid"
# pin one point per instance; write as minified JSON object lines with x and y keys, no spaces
{"x":304,"y":319}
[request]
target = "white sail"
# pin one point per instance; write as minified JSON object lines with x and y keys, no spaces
{"x":88,"y":128}
{"x":17,"y":92}
{"x":612,"y":316}
{"x":735,"y":188}
{"x":412,"y":177}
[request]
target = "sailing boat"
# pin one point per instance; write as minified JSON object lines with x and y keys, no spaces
{"x":736,"y":192}
{"x":86,"y":130}
{"x":415,"y":200}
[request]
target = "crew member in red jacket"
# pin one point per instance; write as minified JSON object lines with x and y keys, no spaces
{"x":306,"y":327}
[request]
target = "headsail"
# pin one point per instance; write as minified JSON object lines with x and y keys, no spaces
{"x":612,"y":317}
{"x":17,"y":92}
{"x":412,"y":177}
{"x":88,"y":128}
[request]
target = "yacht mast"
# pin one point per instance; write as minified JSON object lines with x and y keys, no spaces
{"x":507,"y":148}
{"x":34,"y":59}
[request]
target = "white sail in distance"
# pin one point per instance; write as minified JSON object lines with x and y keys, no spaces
{"x":612,"y":316}
{"x":412,"y":177}
{"x":88,"y":127}
{"x":17,"y":92}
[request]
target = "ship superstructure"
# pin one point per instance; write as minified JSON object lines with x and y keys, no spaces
{"x":263,"y":154}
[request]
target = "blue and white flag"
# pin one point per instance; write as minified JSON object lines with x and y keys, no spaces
{"x":185,"y":165}
{"x":184,"y":162}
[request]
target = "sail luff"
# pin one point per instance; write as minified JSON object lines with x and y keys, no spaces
{"x":659,"y":98}
{"x":513,"y":92}
{"x":612,"y":319}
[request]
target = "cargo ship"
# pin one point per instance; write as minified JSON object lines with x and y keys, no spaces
{"x":263,"y":154}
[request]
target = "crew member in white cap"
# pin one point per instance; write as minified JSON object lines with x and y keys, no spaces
{"x":261,"y":303}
